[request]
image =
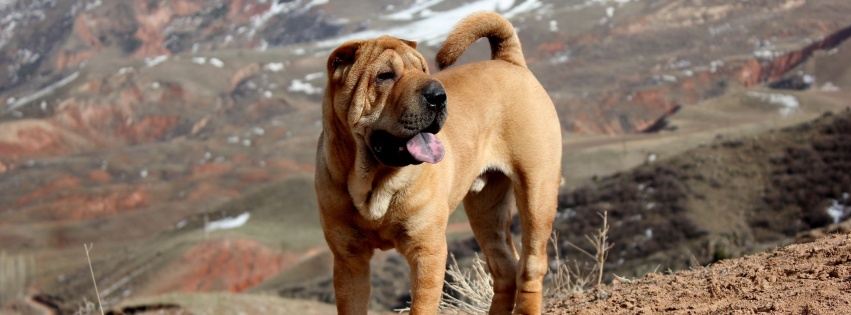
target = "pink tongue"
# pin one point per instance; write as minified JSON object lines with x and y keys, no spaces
{"x":426,"y":147}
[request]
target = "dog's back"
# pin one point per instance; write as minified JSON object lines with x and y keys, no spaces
{"x":503,"y":39}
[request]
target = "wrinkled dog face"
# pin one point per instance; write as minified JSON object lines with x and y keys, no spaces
{"x":382,"y":90}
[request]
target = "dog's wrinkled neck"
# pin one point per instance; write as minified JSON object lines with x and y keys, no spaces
{"x":373,"y":190}
{"x":359,"y":172}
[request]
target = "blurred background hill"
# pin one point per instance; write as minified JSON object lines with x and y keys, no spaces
{"x":178,"y":136}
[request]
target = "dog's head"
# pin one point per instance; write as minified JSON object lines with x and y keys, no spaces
{"x":382,"y":92}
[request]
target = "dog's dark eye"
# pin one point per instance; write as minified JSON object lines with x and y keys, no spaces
{"x":385,"y":76}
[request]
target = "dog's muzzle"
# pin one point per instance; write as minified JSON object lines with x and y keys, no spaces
{"x":414,"y":142}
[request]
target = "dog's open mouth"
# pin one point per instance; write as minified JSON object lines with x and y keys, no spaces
{"x":394,"y":151}
{"x":425,"y":147}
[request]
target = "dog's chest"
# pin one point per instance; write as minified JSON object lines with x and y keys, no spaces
{"x":373,"y":204}
{"x":373,"y":197}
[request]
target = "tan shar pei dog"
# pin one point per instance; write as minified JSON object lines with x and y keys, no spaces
{"x":401,"y":148}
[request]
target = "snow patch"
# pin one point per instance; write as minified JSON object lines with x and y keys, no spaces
{"x":715,"y":65}
{"x":13,"y":103}
{"x":526,"y":6}
{"x":560,"y":58}
{"x":788,"y":103}
{"x":829,"y":87}
{"x":836,"y":211}
{"x":765,"y":49}
{"x":432,"y":29}
{"x":668,"y":78}
{"x":93,"y":5}
{"x":228,"y":223}
{"x":420,"y":8}
{"x":766,"y":54}
{"x":680,"y":64}
{"x":566,"y":213}
{"x":153,"y":61}
{"x":274,"y":66}
{"x":278,"y":7}
{"x":215,"y":62}
{"x":304,"y":86}
{"x":652,"y":157}
{"x":314,"y":76}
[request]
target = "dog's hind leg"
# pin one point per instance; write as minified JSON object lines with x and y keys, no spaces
{"x":489,"y":212}
{"x":536,"y":191}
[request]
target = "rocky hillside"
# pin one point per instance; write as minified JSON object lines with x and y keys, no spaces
{"x":735,"y":196}
{"x":41,"y":39}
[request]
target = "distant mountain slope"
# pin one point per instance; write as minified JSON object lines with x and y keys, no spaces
{"x":611,"y":66}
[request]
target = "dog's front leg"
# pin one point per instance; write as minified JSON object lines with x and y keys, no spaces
{"x":426,"y":254}
{"x":352,"y":282}
{"x":352,"y":252}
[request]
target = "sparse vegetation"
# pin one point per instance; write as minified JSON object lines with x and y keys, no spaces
{"x":86,"y":308}
{"x":92,"y":270}
{"x":566,"y":279}
{"x":600,"y":241}
{"x":474,"y":285}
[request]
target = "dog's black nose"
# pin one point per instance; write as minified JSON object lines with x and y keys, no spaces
{"x":434,"y":95}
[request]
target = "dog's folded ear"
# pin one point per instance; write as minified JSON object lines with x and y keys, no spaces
{"x":342,"y":56}
{"x":411,"y":43}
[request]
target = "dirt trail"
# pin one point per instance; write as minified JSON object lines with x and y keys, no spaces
{"x":810,"y":278}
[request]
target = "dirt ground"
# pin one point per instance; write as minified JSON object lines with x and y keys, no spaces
{"x":809,"y":278}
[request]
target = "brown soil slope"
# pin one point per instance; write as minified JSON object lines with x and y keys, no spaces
{"x":810,"y":278}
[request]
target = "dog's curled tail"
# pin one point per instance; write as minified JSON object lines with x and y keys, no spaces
{"x":503,"y":39}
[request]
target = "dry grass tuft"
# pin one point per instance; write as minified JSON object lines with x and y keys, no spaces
{"x":92,"y":270}
{"x":475,"y":285}
{"x":86,"y":308}
{"x":600,"y":242}
{"x":566,"y":280}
